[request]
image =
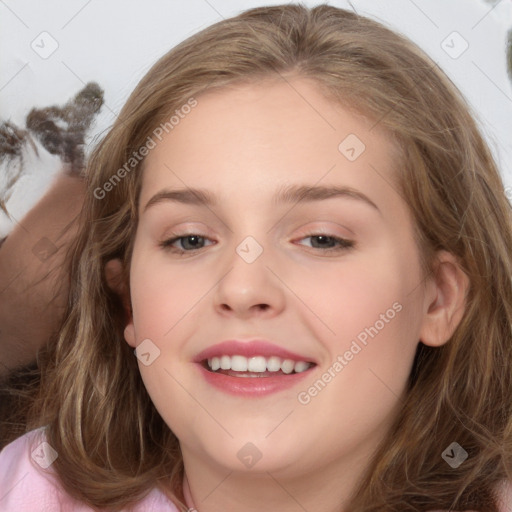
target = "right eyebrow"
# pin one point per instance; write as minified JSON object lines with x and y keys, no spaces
{"x":194,"y":196}
{"x":287,"y":194}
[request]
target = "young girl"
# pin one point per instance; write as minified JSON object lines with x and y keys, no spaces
{"x":291,"y":289}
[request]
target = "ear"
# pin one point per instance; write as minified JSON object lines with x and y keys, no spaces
{"x":116,"y":282}
{"x":445,"y":300}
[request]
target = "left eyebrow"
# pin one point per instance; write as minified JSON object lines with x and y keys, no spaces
{"x":307,"y":193}
{"x":287,"y":194}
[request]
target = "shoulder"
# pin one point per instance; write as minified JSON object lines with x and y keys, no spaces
{"x":155,"y":501}
{"x":27,"y":482}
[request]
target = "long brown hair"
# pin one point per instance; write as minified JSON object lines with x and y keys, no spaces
{"x":113,"y":445}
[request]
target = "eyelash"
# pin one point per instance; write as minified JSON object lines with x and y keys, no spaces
{"x":344,"y":244}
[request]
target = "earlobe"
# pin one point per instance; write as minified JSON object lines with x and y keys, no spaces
{"x":116,"y":282}
{"x":445,"y":300}
{"x":129,"y":334}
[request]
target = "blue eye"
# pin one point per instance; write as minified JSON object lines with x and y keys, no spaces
{"x":194,"y":242}
{"x":325,"y":242}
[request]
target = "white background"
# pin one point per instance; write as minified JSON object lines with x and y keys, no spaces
{"x":114,"y":42}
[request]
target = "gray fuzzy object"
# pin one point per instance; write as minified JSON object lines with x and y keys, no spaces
{"x":51,"y":136}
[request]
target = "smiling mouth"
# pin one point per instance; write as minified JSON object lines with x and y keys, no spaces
{"x":258,"y":366}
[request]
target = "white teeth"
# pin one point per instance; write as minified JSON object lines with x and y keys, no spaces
{"x":239,"y":363}
{"x":300,"y":366}
{"x":288,"y":366}
{"x":273,"y":364}
{"x":257,"y":364}
{"x":225,"y":363}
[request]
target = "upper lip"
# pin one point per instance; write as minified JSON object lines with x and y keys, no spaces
{"x":250,"y":348}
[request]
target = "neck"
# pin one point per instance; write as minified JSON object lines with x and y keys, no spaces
{"x":323,"y":489}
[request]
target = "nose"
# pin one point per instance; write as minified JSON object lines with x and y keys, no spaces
{"x":249,"y":288}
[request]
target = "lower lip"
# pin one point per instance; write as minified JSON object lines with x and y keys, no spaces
{"x":252,"y":386}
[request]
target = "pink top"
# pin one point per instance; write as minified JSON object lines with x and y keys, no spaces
{"x":26,"y":487}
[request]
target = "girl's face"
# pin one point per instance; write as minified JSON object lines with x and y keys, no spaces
{"x":333,"y":278}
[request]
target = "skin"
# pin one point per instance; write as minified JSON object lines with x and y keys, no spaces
{"x":33,"y":290}
{"x":242,"y":144}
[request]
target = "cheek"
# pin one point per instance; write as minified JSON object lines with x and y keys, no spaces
{"x":373,"y":333}
{"x":162,"y":296}
{"x":350,"y":296}
{"x":377,"y":326}
{"x":165,"y":311}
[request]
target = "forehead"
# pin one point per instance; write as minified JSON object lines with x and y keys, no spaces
{"x":247,"y":137}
